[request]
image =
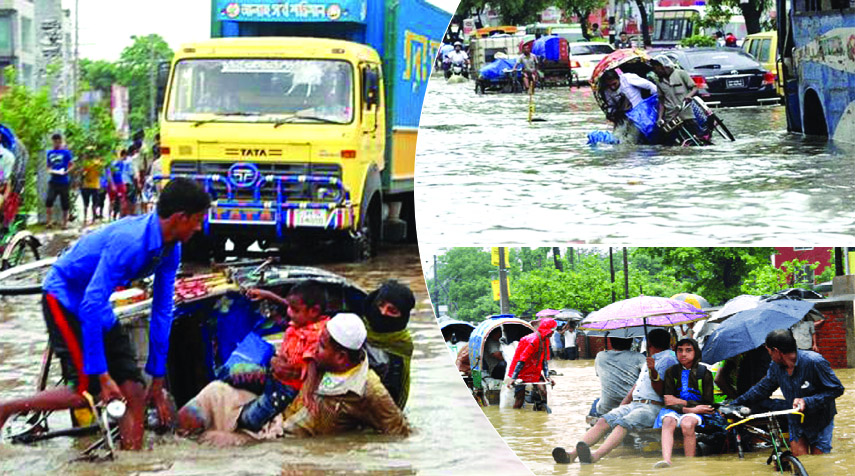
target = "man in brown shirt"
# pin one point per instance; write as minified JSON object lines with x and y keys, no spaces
{"x":345,"y":394}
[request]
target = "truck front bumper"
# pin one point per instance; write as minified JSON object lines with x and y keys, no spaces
{"x":336,"y":214}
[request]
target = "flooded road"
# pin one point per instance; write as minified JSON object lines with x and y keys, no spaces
{"x":484,"y":175}
{"x":451,"y":434}
{"x":533,"y":435}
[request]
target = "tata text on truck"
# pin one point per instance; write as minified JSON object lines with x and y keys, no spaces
{"x":301,"y":118}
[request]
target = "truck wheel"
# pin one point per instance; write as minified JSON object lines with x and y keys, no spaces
{"x":363,"y":244}
{"x":408,"y":214}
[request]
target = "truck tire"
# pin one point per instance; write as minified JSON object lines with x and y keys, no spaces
{"x":362,"y":245}
{"x":408,"y":214}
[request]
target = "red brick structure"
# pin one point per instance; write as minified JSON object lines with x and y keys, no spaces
{"x":812,"y":255}
{"x":835,"y":335}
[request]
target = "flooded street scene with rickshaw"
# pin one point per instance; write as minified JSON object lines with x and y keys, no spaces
{"x":486,"y":175}
{"x":748,"y":355}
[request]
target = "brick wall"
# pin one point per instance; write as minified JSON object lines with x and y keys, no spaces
{"x":589,"y":349}
{"x":831,"y":334}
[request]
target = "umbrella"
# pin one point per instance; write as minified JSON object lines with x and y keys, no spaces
{"x":692,"y":299}
{"x":547,"y":313}
{"x":568,"y":314}
{"x":737,"y":304}
{"x":747,"y":329}
{"x":800,"y":293}
{"x":642,"y":311}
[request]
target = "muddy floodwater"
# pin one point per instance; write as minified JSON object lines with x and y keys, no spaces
{"x":485,"y":175}
{"x":451,"y":434}
{"x":533,"y":435}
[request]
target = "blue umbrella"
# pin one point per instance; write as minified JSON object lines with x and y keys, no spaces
{"x":747,"y":329}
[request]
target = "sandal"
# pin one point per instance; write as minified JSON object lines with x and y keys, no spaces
{"x":584,"y":452}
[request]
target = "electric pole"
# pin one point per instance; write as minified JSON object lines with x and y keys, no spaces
{"x":504,"y":302}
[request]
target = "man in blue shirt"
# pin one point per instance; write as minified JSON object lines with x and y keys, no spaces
{"x":808,"y":384}
{"x":638,"y":409}
{"x":93,"y":347}
{"x":59,"y":163}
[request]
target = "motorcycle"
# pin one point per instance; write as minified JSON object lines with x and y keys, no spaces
{"x":460,"y":69}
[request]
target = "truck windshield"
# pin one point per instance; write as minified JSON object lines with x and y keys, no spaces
{"x":262,"y":90}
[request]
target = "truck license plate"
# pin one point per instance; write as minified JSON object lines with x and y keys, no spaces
{"x":317,"y":218}
{"x":735,"y":83}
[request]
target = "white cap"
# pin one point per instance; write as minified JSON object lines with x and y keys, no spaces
{"x":348,"y":330}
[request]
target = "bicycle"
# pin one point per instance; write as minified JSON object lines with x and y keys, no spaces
{"x":785,"y":461}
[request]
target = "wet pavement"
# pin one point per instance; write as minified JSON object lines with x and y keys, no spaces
{"x":451,"y":434}
{"x":533,"y":435}
{"x":485,"y":175}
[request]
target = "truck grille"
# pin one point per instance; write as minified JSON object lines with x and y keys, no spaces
{"x":292,"y":191}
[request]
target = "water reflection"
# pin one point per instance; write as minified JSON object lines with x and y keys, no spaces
{"x":485,"y":175}
{"x":532,"y":435}
{"x":451,"y":434}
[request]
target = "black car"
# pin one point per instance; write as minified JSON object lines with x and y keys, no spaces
{"x":725,"y":76}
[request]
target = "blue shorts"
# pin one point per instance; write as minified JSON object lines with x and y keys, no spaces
{"x":820,"y":439}
{"x":635,"y":416}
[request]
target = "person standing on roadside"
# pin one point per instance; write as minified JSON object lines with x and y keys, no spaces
{"x":60,"y":162}
{"x":90,"y":187}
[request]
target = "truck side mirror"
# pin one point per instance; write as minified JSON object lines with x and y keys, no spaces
{"x":371,"y":88}
{"x":162,"y":79}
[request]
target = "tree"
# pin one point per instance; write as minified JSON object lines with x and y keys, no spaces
{"x":715,"y":273}
{"x":137,"y":66}
{"x":645,"y":28}
{"x":582,"y":10}
{"x":99,"y":75}
{"x":463,"y":278}
{"x":718,"y":11}
{"x":32,"y":116}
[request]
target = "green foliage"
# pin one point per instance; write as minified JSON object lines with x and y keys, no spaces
{"x":697,"y":40}
{"x":513,"y":12}
{"x":32,"y":116}
{"x":768,"y":279}
{"x":463,"y":279}
{"x":100,"y":136}
{"x":714,"y":273}
{"x":98,"y":75}
{"x":719,"y":11}
{"x":136,"y":68}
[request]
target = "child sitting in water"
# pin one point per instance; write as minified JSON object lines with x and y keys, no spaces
{"x":290,"y":367}
{"x":688,"y":397}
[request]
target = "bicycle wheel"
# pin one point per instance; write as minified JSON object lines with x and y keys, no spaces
{"x":719,"y":127}
{"x":25,"y":279}
{"x":22,"y":249}
{"x":792,"y":465}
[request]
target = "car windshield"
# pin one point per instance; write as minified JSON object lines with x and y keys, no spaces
{"x":720,"y":60}
{"x":602,"y":49}
{"x":262,"y":90}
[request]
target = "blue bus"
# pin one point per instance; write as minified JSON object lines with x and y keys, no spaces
{"x":816,"y":58}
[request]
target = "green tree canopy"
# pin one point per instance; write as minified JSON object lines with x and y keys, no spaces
{"x":136,"y":68}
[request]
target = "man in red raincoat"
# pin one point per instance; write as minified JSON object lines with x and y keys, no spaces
{"x":530,"y":361}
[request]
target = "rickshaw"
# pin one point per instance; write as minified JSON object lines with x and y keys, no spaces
{"x":555,"y":65}
{"x":499,"y":76}
{"x":485,"y":388}
{"x":17,"y":245}
{"x":644,"y":115}
{"x":212,"y":318}
{"x":454,"y":333}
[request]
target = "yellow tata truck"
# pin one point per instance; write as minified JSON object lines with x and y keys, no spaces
{"x":301,"y":119}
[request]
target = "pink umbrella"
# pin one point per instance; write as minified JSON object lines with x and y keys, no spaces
{"x":547,"y":313}
{"x":641,"y":311}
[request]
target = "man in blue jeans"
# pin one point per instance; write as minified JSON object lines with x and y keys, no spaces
{"x":637,"y":410}
{"x":94,"y":349}
{"x":808,"y":384}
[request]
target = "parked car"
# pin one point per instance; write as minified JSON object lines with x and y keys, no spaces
{"x":589,"y":55}
{"x":725,"y":76}
{"x":763,"y":47}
